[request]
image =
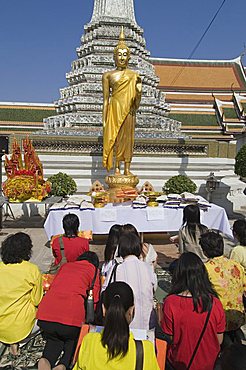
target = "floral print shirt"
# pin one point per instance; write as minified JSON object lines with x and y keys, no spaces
{"x":228,"y":279}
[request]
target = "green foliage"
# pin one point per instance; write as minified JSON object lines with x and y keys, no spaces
{"x":62,"y":184}
{"x":179,"y":184}
{"x":240,"y":162}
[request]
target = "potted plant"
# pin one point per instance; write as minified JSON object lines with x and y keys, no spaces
{"x":240,"y":163}
{"x":62,"y":185}
{"x":179,"y":184}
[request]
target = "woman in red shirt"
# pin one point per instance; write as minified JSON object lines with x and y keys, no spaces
{"x":193,"y":317}
{"x":61,"y":312}
{"x":74,"y":246}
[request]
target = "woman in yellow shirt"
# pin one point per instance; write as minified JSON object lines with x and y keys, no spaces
{"x":115,"y":347}
{"x":21,"y":290}
{"x":228,"y":279}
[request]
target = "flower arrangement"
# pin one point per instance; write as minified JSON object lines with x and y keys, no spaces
{"x":24,"y":181}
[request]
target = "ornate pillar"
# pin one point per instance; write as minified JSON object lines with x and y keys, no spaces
{"x":114,"y":9}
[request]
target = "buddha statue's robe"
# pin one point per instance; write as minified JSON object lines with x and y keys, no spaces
{"x":120,"y":120}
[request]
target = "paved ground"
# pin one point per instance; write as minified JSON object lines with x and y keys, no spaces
{"x":33,"y":226}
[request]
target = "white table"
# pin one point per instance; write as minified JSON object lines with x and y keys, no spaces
{"x":100,"y":220}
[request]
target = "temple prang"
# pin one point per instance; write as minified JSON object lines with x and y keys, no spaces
{"x":80,"y":103}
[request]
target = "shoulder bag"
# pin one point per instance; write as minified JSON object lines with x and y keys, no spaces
{"x":54,"y":268}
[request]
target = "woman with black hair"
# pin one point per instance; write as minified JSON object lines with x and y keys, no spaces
{"x":70,"y":242}
{"x":114,"y":348}
{"x":110,"y":249}
{"x":21,"y":290}
{"x":239,"y":252}
{"x":148,"y":253}
{"x":139,"y":275}
{"x":193,"y":317}
{"x":228,"y":279}
{"x":191,"y":231}
{"x":61,"y":312}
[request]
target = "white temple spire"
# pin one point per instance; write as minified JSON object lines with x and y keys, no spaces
{"x":114,"y":9}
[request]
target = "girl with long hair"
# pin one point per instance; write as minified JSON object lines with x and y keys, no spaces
{"x":191,"y":231}
{"x":114,"y":347}
{"x":193,"y":317}
{"x":110,"y":250}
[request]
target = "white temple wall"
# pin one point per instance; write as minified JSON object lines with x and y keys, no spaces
{"x":155,"y":169}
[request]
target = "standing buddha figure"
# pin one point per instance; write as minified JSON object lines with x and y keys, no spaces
{"x":122,"y":89}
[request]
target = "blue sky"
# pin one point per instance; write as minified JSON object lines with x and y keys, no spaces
{"x":38,"y":38}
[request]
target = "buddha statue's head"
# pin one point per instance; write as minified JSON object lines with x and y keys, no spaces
{"x":121,"y":52}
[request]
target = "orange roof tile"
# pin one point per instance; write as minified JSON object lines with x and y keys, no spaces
{"x":200,"y":75}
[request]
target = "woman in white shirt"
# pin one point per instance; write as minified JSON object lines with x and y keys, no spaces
{"x":139,"y":275}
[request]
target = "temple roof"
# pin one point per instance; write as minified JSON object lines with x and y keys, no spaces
{"x":200,"y":75}
{"x":23,"y":117}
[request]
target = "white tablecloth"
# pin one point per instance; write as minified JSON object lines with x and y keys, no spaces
{"x":100,"y":220}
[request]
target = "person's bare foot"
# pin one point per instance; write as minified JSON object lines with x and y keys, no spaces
{"x":43,"y":364}
{"x":14,"y":349}
{"x":59,"y":367}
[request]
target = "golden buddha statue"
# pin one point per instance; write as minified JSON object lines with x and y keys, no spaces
{"x":122,"y":89}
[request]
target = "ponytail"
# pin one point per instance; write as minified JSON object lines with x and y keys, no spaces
{"x":118,"y":298}
{"x":116,"y":330}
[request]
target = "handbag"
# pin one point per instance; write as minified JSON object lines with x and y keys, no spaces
{"x":89,"y":302}
{"x":54,"y":268}
{"x":139,"y":354}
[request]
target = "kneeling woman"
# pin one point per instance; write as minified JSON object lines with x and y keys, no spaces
{"x":61,"y":313}
{"x":193,"y":317}
{"x":115,"y":347}
{"x":21,"y":290}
